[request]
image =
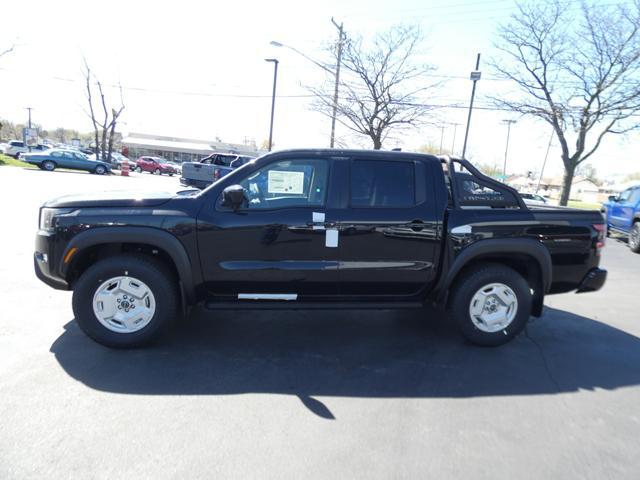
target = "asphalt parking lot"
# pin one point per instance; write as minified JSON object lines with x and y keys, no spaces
{"x":357,"y":394}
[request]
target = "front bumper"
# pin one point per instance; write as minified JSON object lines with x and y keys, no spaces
{"x":43,"y":263}
{"x":593,"y":281}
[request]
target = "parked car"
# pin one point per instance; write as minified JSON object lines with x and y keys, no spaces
{"x":318,"y":229}
{"x":533,"y":199}
{"x":155,"y":165}
{"x":176,"y":165}
{"x":15,"y":148}
{"x":211,"y":168}
{"x":60,"y":158}
{"x":622,"y":214}
{"x":116,"y":159}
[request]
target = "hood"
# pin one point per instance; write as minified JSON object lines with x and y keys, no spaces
{"x":167,"y":165}
{"x":124,"y":198}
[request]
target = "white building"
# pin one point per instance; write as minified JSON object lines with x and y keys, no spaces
{"x":181,"y":149}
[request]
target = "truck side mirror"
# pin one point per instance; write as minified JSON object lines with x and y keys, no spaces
{"x":613,"y":198}
{"x":233,"y":196}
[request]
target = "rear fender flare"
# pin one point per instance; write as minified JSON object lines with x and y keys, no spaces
{"x":497,"y":247}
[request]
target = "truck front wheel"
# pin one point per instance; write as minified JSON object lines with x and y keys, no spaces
{"x":125,"y":301}
{"x":491,"y":304}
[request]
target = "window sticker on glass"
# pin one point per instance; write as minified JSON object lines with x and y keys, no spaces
{"x":291,"y":183}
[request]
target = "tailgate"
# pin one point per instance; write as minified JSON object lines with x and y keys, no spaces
{"x":198,"y":171}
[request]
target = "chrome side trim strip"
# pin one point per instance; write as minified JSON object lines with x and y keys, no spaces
{"x":267,"y":296}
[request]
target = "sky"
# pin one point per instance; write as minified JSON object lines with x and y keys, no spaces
{"x":197,"y":70}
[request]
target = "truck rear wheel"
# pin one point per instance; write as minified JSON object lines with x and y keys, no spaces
{"x":491,"y":304}
{"x":125,"y":301}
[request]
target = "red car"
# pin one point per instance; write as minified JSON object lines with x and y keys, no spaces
{"x":155,"y":165}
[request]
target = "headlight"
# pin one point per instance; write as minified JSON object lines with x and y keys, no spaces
{"x":48,"y":216}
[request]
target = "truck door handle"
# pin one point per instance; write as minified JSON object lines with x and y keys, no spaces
{"x":417,"y":225}
{"x":322,"y":224}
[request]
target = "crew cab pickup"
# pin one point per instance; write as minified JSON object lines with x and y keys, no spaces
{"x":211,"y":168}
{"x":622,"y":214}
{"x":306,"y":229}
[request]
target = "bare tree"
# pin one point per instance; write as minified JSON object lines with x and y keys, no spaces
{"x":105,"y":127}
{"x":380,"y":89}
{"x":575,"y":69}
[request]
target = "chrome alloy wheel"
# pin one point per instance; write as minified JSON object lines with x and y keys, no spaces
{"x":493,"y":307}
{"x":124,"y":304}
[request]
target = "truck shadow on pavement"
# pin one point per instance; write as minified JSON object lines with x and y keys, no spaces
{"x":355,"y":354}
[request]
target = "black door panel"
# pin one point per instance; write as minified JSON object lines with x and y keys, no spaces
{"x":272,"y":245}
{"x":387,"y":251}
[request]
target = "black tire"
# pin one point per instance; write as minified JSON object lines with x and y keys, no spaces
{"x":634,"y":238}
{"x":171,"y":174}
{"x":157,"y":172}
{"x":100,"y":170}
{"x":48,"y":165}
{"x":471,"y":282}
{"x":158,"y":278}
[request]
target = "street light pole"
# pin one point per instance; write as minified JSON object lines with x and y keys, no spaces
{"x":336,"y":74}
{"x":475,"y":76}
{"x":273,"y":97}
{"x":506,"y":148}
{"x":441,"y":137}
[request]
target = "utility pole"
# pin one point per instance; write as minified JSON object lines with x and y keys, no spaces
{"x":453,"y":143}
{"x":441,"y":137}
{"x":273,"y":96}
{"x":475,"y":76}
{"x":544,"y":163}
{"x":335,"y":93}
{"x":25,"y":139}
{"x":506,"y":149}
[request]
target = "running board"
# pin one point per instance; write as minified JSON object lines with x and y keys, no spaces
{"x":306,"y":305}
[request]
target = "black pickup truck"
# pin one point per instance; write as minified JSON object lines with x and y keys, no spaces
{"x":305,"y":229}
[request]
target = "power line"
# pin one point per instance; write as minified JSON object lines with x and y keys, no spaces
{"x":434,"y":7}
{"x":493,"y":13}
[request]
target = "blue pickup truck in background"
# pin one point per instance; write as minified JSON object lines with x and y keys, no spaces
{"x":622,"y":214}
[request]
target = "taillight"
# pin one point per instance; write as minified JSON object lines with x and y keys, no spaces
{"x":216,"y":174}
{"x":601,"y":228}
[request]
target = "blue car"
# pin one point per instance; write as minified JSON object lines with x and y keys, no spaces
{"x":58,"y":158}
{"x":622,"y":214}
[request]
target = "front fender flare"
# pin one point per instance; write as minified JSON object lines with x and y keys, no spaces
{"x":145,"y":235}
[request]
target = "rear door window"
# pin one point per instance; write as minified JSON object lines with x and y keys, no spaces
{"x":382,"y":184}
{"x":635,"y":196}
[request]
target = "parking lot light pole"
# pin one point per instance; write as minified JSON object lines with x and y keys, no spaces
{"x":273,"y":97}
{"x":475,"y":76}
{"x":336,"y":74}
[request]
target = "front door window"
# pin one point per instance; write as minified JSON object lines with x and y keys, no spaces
{"x":287,"y":184}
